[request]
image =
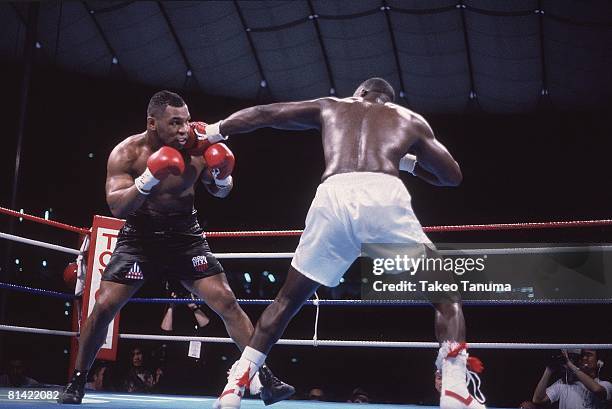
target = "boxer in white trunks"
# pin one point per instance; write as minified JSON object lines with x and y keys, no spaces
{"x":367,"y":140}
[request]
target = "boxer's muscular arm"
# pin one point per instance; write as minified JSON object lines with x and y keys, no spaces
{"x":435,"y":164}
{"x":121,"y":193}
{"x":285,"y":115}
{"x":428,"y":177}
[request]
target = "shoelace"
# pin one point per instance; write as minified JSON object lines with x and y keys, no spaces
{"x":269,"y":379}
{"x":230,"y":372}
{"x":315,"y":337}
{"x":474,"y":379}
{"x":276,"y":381}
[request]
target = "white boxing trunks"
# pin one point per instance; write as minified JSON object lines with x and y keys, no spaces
{"x":351,"y":209}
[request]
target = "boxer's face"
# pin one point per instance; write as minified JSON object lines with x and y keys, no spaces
{"x":172,"y":126}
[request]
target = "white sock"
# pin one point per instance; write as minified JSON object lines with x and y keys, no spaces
{"x":254,"y":356}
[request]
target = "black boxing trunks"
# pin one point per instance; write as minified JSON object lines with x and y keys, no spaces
{"x":168,"y":247}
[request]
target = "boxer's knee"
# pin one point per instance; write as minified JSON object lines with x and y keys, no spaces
{"x":106,"y":307}
{"x":225,"y":304}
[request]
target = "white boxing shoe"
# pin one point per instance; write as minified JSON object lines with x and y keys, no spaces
{"x":255,"y":386}
{"x":238,"y":380}
{"x":453,"y":362}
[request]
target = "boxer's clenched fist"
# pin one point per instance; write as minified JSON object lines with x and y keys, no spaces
{"x":163,"y":162}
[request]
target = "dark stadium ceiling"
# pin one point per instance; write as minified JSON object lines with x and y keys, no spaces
{"x":444,"y":56}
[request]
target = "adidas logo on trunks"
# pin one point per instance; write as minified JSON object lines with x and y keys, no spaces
{"x":199,"y":263}
{"x":135,"y":273}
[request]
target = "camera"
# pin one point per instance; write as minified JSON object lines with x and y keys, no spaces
{"x":557,"y":365}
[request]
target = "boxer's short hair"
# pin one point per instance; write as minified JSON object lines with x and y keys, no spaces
{"x":379,"y":85}
{"x":161,"y":99}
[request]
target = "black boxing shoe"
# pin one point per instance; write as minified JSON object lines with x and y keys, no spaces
{"x":273,"y":389}
{"x":75,"y":390}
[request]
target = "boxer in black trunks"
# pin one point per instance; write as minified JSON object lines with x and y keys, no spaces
{"x":150,"y":181}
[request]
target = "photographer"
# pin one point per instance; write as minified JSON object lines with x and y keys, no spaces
{"x":173,"y":291}
{"x":579,"y":386}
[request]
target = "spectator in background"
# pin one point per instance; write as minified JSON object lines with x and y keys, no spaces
{"x":15,"y":375}
{"x":579,"y":386}
{"x":99,"y":378}
{"x":317,"y":394}
{"x":359,"y":396}
{"x":138,"y":378}
{"x":431,"y":397}
{"x":199,"y":315}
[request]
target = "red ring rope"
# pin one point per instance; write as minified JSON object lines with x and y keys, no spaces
{"x":44,"y":221}
{"x":434,"y":229}
{"x":285,"y":233}
{"x":520,"y":226}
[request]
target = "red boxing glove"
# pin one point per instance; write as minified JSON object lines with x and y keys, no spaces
{"x":160,"y":164}
{"x":201,"y":135}
{"x":166,"y":161}
{"x":220,"y":160}
{"x":70,"y":275}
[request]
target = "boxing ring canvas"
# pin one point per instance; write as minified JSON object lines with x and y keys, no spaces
{"x":95,"y":400}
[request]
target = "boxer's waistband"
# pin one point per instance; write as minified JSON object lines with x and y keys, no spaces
{"x":360,"y":177}
{"x":161,"y":223}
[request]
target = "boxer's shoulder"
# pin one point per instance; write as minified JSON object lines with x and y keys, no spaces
{"x":132,"y":147}
{"x":405,"y":112}
{"x":409,"y":117}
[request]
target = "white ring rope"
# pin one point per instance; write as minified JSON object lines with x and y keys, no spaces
{"x":500,"y":251}
{"x":463,"y":252}
{"x":253,"y":255}
{"x":39,"y":243}
{"x":329,"y":343}
{"x":525,"y":250}
{"x":43,"y":331}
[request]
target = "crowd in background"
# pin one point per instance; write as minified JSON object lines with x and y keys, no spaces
{"x":570,"y":381}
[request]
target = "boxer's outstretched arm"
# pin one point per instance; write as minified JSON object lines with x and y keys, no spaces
{"x":428,"y":177}
{"x":435,"y":164}
{"x":284,"y":115}
{"x":121,"y":193}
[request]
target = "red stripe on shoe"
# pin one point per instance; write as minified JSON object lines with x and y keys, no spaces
{"x":244,"y":380}
{"x":465,"y":401}
{"x":454,"y":352}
